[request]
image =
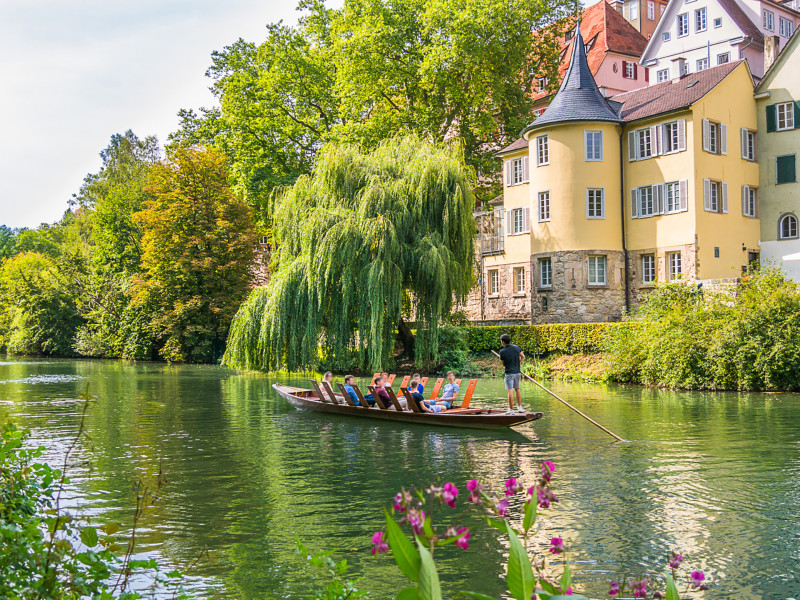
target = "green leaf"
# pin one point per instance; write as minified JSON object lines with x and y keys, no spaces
{"x":429,"y":588}
{"x":408,"y":594}
{"x":427,"y":528}
{"x":566,"y":578}
{"x":520,"y":579}
{"x":111,"y":528}
{"x":405,"y":555}
{"x":672,"y":589}
{"x":89,"y":536}
{"x":547,"y":586}
{"x":497,"y":524}
{"x":530,"y":514}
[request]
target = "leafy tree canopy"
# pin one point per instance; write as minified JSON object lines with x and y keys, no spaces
{"x":365,"y":234}
{"x":197,"y":252}
{"x":370,"y":70}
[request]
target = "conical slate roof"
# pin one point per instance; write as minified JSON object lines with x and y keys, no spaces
{"x":578,"y":98}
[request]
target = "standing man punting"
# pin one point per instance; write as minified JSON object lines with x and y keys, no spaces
{"x":512,"y":357}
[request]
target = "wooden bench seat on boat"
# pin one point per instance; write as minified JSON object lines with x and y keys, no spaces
{"x":322,"y":396}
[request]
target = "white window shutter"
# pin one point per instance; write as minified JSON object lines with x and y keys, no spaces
{"x":660,"y":138}
{"x":756,"y":204}
{"x":525,"y":161}
{"x":682,"y":134}
{"x":724,"y":197}
{"x":684,"y":192}
{"x":631,"y":146}
{"x":745,"y":194}
{"x":508,"y":173}
{"x":743,"y":141}
{"x":706,"y":194}
{"x":509,"y":222}
{"x":723,"y":138}
{"x":706,"y":135}
{"x":655,"y":146}
{"x":658,"y":193}
{"x":526,"y":220}
{"x":634,"y":205}
{"x":755,"y":146}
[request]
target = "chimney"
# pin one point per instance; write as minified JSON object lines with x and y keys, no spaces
{"x":616,"y":5}
{"x":772,"y":47}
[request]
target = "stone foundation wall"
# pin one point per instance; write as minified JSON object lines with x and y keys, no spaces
{"x":638,"y":289}
{"x":260,"y":267}
{"x":507,"y":305}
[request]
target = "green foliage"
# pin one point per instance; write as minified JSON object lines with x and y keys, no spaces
{"x":197,"y":251}
{"x":564,"y":338}
{"x":371,"y":70}
{"x":334,"y":584}
{"x":8,"y":242}
{"x":364,"y":232}
{"x":38,"y":314}
{"x":746,"y":337}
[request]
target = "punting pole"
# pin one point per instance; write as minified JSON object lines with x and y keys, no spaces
{"x":560,"y":399}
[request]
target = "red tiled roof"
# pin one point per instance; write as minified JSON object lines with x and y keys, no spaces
{"x":672,"y":95}
{"x":604,"y":30}
{"x":519,"y":144}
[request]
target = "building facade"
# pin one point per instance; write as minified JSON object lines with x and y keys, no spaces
{"x":778,"y":100}
{"x":643,"y":15}
{"x":695,"y":35}
{"x":603,"y":198}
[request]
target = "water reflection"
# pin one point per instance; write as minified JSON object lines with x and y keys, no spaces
{"x":712,"y":475}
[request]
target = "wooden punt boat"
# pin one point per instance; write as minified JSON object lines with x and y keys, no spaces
{"x":471,"y":418}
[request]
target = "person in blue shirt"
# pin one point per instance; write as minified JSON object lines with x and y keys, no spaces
{"x":449,"y":392}
{"x":418,"y":379}
{"x":416,"y":395}
{"x":348,"y":387}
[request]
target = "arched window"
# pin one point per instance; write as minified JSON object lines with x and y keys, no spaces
{"x":787,"y":227}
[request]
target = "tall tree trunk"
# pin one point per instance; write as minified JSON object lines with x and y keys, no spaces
{"x":406,"y":338}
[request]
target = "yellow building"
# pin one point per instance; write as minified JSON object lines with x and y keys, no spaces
{"x":605,"y":197}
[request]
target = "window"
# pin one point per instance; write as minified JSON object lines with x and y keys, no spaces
{"x":769,"y":20}
{"x":544,"y":206}
{"x":665,"y":36}
{"x":683,"y":24}
{"x":593,"y":145}
{"x":672,"y":197}
{"x":702,"y":64}
{"x":628,"y":69}
{"x":786,"y":172}
{"x":723,"y":58}
{"x":651,"y":11}
{"x":717,"y":22}
{"x":662,"y":75}
{"x":595,"y":208}
{"x":683,"y":64}
{"x":264,"y":240}
{"x":648,"y":268}
{"x":542,"y":84}
{"x":494,"y":282}
{"x":519,"y":170}
{"x":643,"y":143}
{"x":645,"y":199}
{"x":518,"y":221}
{"x":700,"y":19}
{"x":785,"y":27}
{"x":537,"y":113}
{"x":519,"y":280}
{"x":749,"y":201}
{"x":787,"y":227}
{"x":715,"y":137}
{"x":568,"y":35}
{"x":597,"y":270}
{"x":674,"y":261}
{"x":542,"y":151}
{"x":545,"y":273}
{"x":748,"y":139}
{"x":785,"y":115}
{"x":633,"y":10}
{"x":673,"y":136}
{"x":715,"y":196}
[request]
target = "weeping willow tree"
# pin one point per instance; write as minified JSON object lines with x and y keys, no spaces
{"x":365,"y":240}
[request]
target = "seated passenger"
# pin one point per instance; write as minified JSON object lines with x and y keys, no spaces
{"x":328,"y":377}
{"x":420,"y":387}
{"x":415,"y":393}
{"x":385,"y":378}
{"x":433,"y":406}
{"x":378,"y":383}
{"x":449,"y":392}
{"x":348,"y":387}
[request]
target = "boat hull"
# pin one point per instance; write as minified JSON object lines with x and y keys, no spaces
{"x":485,"y":419}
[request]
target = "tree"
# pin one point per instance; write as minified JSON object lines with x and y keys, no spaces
{"x":197,"y":252}
{"x":370,"y":70}
{"x":367,"y":234}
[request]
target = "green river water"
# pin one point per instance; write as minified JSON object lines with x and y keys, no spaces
{"x":714,"y":475}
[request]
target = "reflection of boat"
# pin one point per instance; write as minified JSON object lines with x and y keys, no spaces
{"x":477,"y":418}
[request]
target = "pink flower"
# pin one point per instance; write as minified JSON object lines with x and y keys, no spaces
{"x":473,"y":485}
{"x":512,"y":487}
{"x":545,"y":497}
{"x":640,"y":588}
{"x":463,"y":538}
{"x":401,"y":500}
{"x":449,"y":494}
{"x":675,"y":560}
{"x":548,"y":468}
{"x":613,"y":589}
{"x":379,"y":545}
{"x":557,"y":545}
{"x":502,"y":507}
{"x":416,"y":519}
{"x":697,"y":579}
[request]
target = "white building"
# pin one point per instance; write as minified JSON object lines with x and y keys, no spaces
{"x":694,"y":35}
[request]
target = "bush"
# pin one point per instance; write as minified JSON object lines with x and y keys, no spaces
{"x":564,"y":338}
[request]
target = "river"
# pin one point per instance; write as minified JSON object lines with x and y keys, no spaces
{"x":713,"y":475}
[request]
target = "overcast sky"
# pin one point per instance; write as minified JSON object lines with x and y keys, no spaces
{"x":74,"y":72}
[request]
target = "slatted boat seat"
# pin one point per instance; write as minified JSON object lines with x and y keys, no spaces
{"x":436,"y":388}
{"x":423,"y":382}
{"x":412,"y":405}
{"x":397,"y":406}
{"x":329,"y":390}
{"x":468,"y":393}
{"x":361,"y":400}
{"x":320,"y":395}
{"x":378,"y":400}
{"x":391,"y":379}
{"x":405,"y":381}
{"x":346,"y":396}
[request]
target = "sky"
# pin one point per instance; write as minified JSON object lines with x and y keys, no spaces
{"x":74,"y":72}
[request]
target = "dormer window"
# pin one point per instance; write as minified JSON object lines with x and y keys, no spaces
{"x":568,"y":35}
{"x":542,"y":84}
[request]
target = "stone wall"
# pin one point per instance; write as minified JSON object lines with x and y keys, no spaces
{"x":260,"y":267}
{"x":638,"y":289}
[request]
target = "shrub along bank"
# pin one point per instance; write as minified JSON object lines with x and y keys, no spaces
{"x":561,"y":338}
